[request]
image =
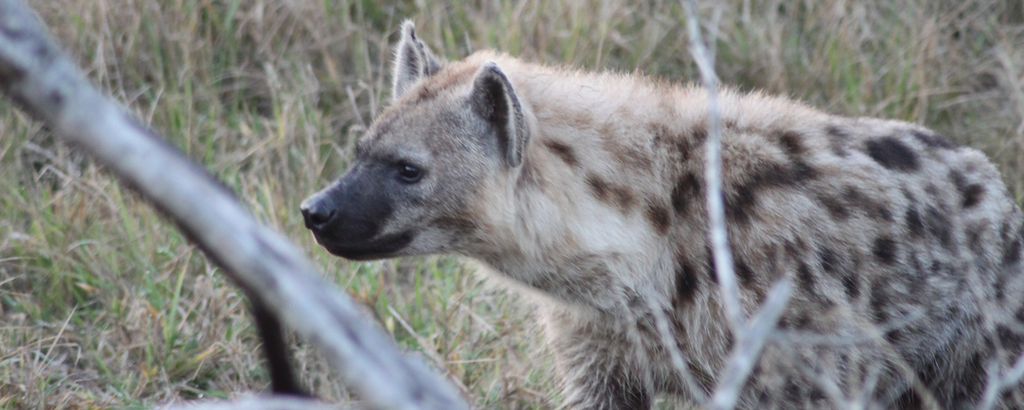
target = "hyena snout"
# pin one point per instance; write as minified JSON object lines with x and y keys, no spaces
{"x":348,"y":219}
{"x":317,"y":212}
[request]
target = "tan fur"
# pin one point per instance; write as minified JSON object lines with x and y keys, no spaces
{"x":905,"y":249}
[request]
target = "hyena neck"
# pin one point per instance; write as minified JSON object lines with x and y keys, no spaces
{"x":542,"y":242}
{"x":564,"y":223}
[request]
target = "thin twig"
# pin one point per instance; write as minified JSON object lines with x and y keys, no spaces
{"x":713,"y":175}
{"x":750,"y":337}
{"x":749,"y":345}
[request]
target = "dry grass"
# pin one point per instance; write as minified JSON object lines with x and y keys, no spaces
{"x":104,"y":304}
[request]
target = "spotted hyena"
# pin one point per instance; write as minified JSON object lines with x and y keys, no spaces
{"x":586,"y":192}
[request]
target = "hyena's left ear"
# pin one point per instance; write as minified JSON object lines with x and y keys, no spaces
{"x":413,"y":61}
{"x":496,"y":102}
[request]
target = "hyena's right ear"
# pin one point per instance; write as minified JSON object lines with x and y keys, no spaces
{"x":494,"y":100}
{"x":413,"y":61}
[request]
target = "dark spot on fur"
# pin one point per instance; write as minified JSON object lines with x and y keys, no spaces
{"x":737,"y":205}
{"x":699,"y":134}
{"x":1010,"y":339}
{"x":817,"y":395}
{"x":894,"y":336}
{"x":958,"y":179}
{"x":806,"y":279}
{"x":917,"y":274}
{"x":838,"y":140}
{"x":563,"y":151}
{"x":835,"y":208}
{"x":599,"y":186}
{"x":791,"y":252}
{"x":709,"y":264}
{"x":990,"y":344}
{"x":829,"y":260}
{"x":1011,"y":252}
{"x":623,"y":198}
{"x":792,"y":392}
{"x":879,"y":304}
{"x":797,"y":321}
{"x":932,"y":140}
{"x":800,"y":172}
{"x":686,"y":190}
{"x":686,"y":285}
{"x":659,"y":218}
{"x":892,"y":154}
{"x":627,"y":157}
{"x":909,"y":400}
{"x":938,"y":225}
{"x":763,"y":397}
{"x":885,"y":250}
{"x":660,"y":132}
{"x":974,"y":237}
{"x":914,"y":224}
{"x":791,"y":144}
{"x":744,"y":273}
{"x":971,"y":193}
{"x":740,"y":202}
{"x":873,"y":209}
{"x":611,"y":194}
{"x":56,"y":99}
{"x":974,"y":380}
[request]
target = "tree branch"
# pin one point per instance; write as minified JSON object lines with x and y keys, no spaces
{"x":750,"y":336}
{"x":263,"y":403}
{"x":48,"y":85}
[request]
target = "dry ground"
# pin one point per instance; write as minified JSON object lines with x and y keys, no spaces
{"x":104,"y":304}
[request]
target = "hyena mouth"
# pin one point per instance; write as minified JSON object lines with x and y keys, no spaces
{"x":380,"y":248}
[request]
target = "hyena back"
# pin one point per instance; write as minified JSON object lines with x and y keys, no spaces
{"x":586,"y":191}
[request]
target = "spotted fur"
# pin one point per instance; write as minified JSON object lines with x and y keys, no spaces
{"x":586,"y":192}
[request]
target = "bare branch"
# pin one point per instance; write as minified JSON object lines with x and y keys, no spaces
{"x":44,"y":82}
{"x":263,"y":403}
{"x":749,"y":345}
{"x":713,"y":175}
{"x":750,"y":336}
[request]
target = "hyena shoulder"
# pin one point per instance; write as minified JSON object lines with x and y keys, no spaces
{"x":587,"y":191}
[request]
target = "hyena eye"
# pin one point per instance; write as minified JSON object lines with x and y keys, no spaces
{"x":409,"y":173}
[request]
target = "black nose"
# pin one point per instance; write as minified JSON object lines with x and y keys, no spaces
{"x":317,"y":214}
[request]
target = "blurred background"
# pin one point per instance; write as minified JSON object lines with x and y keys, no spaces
{"x":103,"y":303}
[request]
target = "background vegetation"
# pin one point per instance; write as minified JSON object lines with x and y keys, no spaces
{"x":105,"y":304}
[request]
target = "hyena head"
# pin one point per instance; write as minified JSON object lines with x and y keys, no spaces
{"x":454,"y":133}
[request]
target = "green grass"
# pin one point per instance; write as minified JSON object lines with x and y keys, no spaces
{"x":103,"y":303}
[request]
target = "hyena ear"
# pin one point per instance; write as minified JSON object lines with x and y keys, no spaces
{"x":495,"y":100}
{"x":413,"y":61}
